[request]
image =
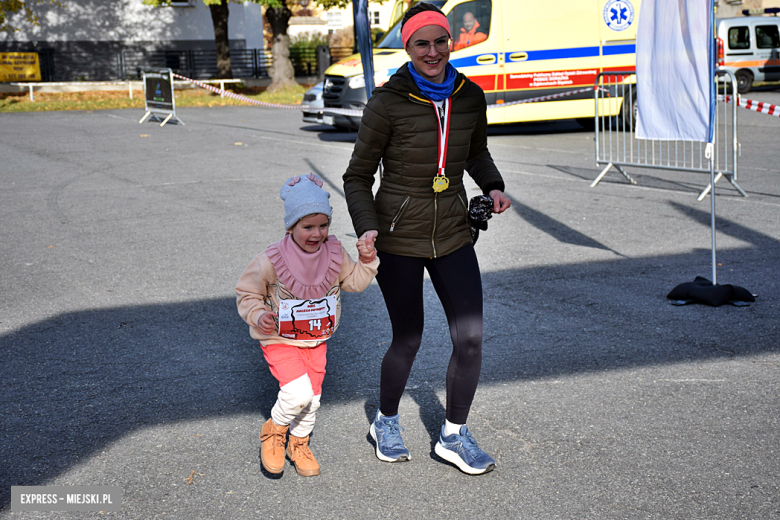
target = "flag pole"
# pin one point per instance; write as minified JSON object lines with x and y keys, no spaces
{"x":710,"y":145}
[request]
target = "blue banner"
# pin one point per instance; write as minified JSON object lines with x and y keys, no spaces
{"x":363,"y":34}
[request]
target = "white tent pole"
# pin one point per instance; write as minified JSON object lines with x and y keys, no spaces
{"x":712,"y":220}
{"x":713,"y":129}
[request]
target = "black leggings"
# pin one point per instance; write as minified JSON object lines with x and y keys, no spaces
{"x":458,"y":284}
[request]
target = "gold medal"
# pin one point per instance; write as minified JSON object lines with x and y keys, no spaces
{"x":440,"y":183}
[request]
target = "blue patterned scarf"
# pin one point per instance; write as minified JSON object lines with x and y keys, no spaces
{"x":436,"y":91}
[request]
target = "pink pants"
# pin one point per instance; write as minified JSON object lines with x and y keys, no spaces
{"x":300,"y":372}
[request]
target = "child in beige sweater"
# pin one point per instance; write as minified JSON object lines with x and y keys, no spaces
{"x":290,"y":295}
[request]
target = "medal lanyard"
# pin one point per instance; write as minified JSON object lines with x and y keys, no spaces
{"x":444,"y":134}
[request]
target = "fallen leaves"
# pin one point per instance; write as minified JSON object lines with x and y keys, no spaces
{"x":191,"y":479}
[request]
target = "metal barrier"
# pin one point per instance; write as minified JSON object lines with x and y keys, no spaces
{"x":111,"y":64}
{"x":616,"y":143}
{"x":202,"y":64}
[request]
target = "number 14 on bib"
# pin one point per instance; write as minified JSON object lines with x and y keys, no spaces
{"x":308,"y":319}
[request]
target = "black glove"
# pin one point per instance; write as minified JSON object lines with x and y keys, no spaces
{"x":480,"y":211}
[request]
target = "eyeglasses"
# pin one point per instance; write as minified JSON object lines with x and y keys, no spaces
{"x":422,"y":47}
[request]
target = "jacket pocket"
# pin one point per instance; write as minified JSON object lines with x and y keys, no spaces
{"x":463,"y":203}
{"x":399,"y":213}
{"x":465,"y":207}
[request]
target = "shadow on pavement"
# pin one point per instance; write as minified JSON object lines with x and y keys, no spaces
{"x":75,"y":383}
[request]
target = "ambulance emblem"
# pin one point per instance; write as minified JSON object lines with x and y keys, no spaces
{"x":618,"y":14}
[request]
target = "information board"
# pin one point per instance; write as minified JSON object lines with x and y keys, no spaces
{"x":19,"y":66}
{"x":158,"y":91}
{"x":159,"y":97}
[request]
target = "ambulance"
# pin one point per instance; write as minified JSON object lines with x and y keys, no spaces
{"x":750,"y":48}
{"x":515,"y":50}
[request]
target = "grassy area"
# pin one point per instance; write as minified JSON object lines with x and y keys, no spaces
{"x":112,"y":99}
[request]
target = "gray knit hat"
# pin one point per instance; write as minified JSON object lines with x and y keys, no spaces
{"x":305,"y":197}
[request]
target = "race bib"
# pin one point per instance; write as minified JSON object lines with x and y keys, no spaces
{"x":308,"y":319}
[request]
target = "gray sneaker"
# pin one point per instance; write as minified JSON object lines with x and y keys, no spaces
{"x":461,"y":449}
{"x":387,"y":433}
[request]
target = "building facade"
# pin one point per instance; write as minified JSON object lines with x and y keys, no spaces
{"x":87,"y":24}
{"x":109,"y":39}
{"x":115,"y":39}
{"x":329,"y":21}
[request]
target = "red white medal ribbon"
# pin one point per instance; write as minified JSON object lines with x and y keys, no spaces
{"x":444,"y":134}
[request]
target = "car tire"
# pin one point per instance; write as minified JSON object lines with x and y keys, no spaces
{"x":744,"y":81}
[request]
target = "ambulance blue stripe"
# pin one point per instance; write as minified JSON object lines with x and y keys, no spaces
{"x":559,"y":54}
{"x":612,"y":50}
{"x":471,"y":61}
{"x":550,"y":54}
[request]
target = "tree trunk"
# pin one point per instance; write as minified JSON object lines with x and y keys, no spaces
{"x":282,"y":72}
{"x":219,"y":18}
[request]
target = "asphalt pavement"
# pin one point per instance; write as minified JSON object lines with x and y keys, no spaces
{"x":124,"y":361}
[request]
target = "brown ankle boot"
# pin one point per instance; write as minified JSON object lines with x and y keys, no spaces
{"x":301,"y":456}
{"x":272,"y":448}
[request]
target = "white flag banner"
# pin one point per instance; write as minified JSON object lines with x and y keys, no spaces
{"x":673,"y":70}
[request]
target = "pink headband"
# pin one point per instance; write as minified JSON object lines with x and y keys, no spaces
{"x":423,"y":19}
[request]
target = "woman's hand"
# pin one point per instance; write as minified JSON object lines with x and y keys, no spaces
{"x":266,"y":323}
{"x":365,"y":246}
{"x":501,"y":202}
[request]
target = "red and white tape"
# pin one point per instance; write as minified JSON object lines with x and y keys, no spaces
{"x":756,"y":106}
{"x":354,"y":112}
{"x":239,"y":97}
{"x":543,"y":98}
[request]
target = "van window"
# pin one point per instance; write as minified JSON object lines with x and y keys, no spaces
{"x":767,"y":36}
{"x":470,"y":23}
{"x":739,"y":38}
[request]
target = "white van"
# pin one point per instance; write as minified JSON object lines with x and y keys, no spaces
{"x":748,"y":47}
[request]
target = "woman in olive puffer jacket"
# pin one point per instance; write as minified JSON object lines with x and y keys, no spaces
{"x":426,"y":108}
{"x":399,"y":127}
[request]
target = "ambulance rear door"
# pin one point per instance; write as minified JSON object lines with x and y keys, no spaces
{"x":551,"y":49}
{"x":768,"y":47}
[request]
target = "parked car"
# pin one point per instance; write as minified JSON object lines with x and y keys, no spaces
{"x":748,"y":47}
{"x":313,"y":98}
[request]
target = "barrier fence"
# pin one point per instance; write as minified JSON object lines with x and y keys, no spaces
{"x":245,"y":63}
{"x":112,"y":64}
{"x":618,"y":147}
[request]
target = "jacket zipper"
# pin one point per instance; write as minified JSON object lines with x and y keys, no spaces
{"x":416,"y":99}
{"x":435,"y":216}
{"x":400,"y":212}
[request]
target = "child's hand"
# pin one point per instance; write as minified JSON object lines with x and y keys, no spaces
{"x":367,"y":258}
{"x":365,"y":247}
{"x":266,"y":323}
